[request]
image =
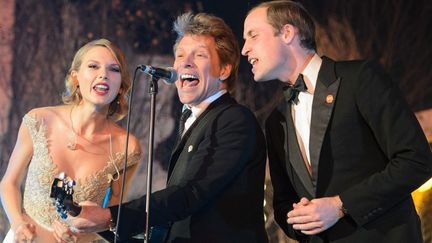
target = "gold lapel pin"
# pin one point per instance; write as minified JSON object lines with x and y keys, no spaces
{"x":329,"y":99}
{"x":190,"y":148}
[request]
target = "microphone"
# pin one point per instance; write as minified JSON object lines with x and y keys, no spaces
{"x":169,"y":74}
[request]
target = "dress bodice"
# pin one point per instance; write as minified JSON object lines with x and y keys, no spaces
{"x":42,"y":171}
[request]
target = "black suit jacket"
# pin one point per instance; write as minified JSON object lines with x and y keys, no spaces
{"x":365,"y":145}
{"x":215,"y":182}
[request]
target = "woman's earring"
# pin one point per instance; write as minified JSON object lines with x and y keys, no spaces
{"x":114,"y":106}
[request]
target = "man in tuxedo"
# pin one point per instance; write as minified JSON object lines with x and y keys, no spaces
{"x":344,"y":148}
{"x":215,"y":187}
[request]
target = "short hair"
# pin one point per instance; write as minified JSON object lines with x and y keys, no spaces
{"x":227,"y":46}
{"x":118,"y":108}
{"x":283,"y":12}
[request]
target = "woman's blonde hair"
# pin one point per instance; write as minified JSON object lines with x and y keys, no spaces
{"x":118,"y":108}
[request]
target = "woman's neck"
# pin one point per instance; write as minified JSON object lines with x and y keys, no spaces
{"x":88,"y":120}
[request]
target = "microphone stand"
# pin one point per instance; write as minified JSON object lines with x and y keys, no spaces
{"x":125,"y":157}
{"x":153,"y":90}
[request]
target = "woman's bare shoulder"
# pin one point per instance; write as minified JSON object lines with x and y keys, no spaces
{"x":49,"y":114}
{"x":120,"y":134}
{"x":48,"y":111}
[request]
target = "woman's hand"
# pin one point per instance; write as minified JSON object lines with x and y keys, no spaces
{"x":93,"y":218}
{"x":62,"y":232}
{"x":24,"y":232}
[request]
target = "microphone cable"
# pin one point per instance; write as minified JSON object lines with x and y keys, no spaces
{"x":126,"y":152}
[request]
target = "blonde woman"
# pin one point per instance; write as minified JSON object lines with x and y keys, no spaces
{"x":80,"y":138}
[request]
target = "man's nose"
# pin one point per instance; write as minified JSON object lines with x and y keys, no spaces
{"x":245,"y":50}
{"x":188,"y":61}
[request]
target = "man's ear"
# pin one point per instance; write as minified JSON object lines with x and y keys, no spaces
{"x":288,"y":33}
{"x":225,"y":72}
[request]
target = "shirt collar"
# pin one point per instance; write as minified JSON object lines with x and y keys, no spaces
{"x":196,"y":111}
{"x":310,"y":73}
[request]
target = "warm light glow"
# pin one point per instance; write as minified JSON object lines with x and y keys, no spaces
{"x":426,"y":186}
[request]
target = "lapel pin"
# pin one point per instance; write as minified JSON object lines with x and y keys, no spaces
{"x":329,"y":99}
{"x":190,"y":148}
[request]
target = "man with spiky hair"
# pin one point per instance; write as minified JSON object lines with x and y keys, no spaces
{"x":215,"y":187}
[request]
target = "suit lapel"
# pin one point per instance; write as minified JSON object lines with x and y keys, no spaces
{"x":293,"y":155}
{"x":322,"y":107}
{"x":224,"y":99}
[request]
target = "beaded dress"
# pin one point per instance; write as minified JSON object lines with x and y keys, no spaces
{"x":41,"y":173}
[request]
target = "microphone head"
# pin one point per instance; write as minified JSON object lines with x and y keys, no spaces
{"x":173,"y":77}
{"x":168,"y":74}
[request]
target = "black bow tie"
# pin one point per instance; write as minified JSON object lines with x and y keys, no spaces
{"x":291,"y":92}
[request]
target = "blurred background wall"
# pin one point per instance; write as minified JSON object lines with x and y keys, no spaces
{"x":38,"y":39}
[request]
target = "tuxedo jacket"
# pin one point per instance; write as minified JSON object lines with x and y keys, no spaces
{"x":365,"y":146}
{"x":215,"y":187}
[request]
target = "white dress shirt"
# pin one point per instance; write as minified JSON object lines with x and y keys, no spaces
{"x":302,"y":112}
